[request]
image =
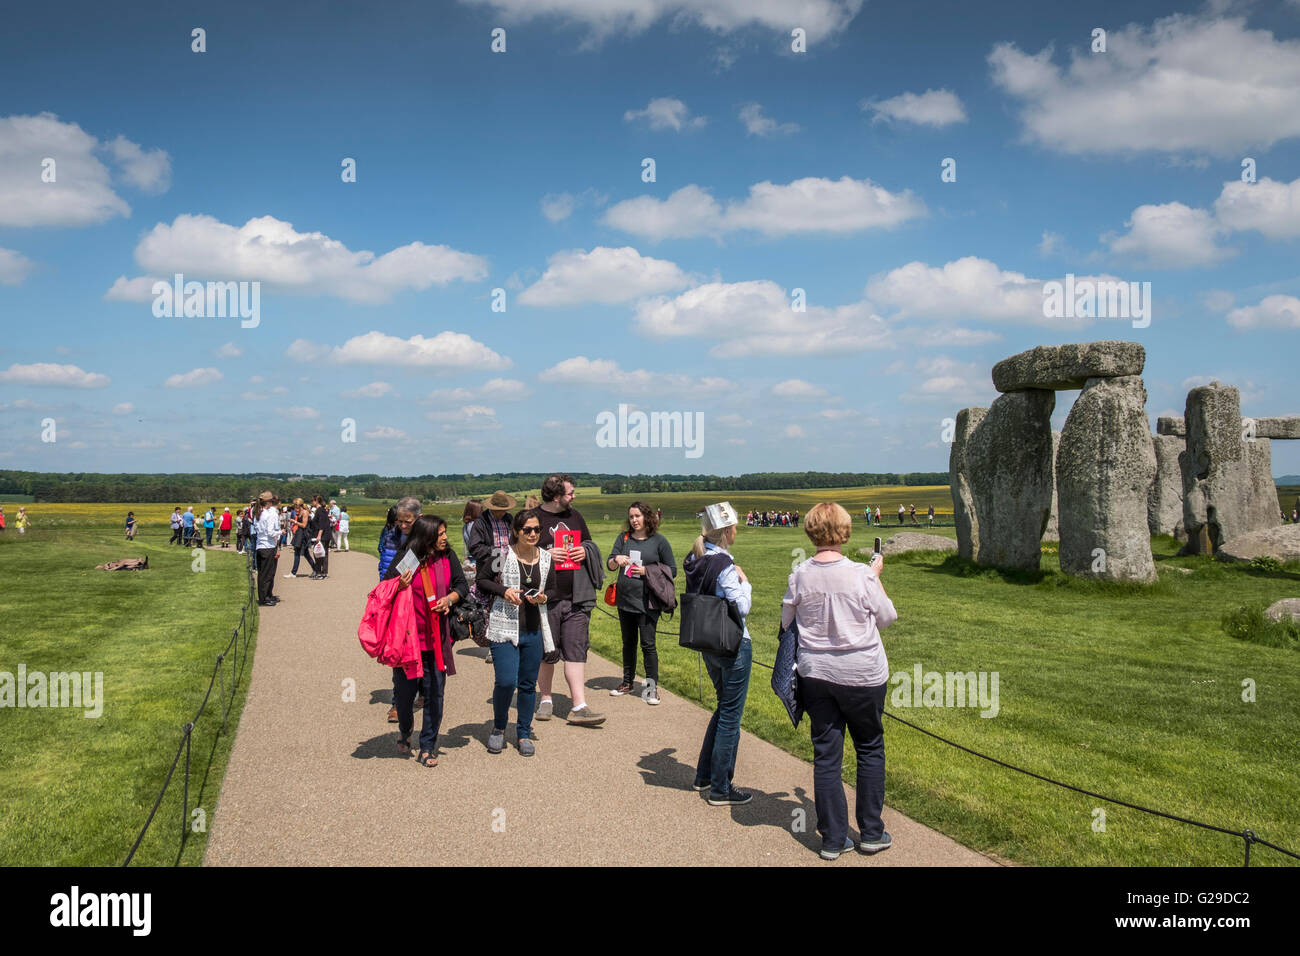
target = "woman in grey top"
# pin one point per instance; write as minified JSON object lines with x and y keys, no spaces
{"x":840,"y":607}
{"x":636,"y":548}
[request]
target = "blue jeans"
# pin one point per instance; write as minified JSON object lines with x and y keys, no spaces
{"x":433,"y":683}
{"x":516,"y":667}
{"x":730,"y":676}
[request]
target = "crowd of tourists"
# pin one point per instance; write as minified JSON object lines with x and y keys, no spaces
{"x":525,"y":587}
{"x":903,"y":512}
{"x":772,"y":519}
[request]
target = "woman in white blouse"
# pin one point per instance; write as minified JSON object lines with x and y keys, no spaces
{"x":840,"y":607}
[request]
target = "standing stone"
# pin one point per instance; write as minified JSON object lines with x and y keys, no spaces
{"x":1105,"y":468}
{"x":1052,"y":531}
{"x":1165,"y":501}
{"x":1227,"y":478}
{"x":1171,"y":425}
{"x":1009,"y":473}
{"x":963,"y":504}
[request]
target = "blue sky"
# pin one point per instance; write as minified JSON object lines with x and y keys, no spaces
{"x":775,"y":170}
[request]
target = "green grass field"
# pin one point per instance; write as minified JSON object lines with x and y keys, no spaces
{"x":1135,"y":693}
{"x":77,"y":790}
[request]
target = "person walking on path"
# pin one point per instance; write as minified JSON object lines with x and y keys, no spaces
{"x":267,"y":531}
{"x":877,"y":515}
{"x":902,"y":511}
{"x":297,"y":534}
{"x":318,"y":533}
{"x":710,"y":570}
{"x":130,"y":526}
{"x":635,"y":550}
{"x":176,"y":526}
{"x":570,"y":612}
{"x":436,"y":586}
{"x":841,"y":607}
{"x":518,"y":628}
{"x":913,"y":515}
{"x":226,"y":521}
{"x":401,"y":518}
{"x":488,"y":537}
{"x":2,"y":519}
{"x":345,"y":523}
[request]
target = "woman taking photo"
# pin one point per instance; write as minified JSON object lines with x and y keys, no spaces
{"x":435,"y":586}
{"x":637,"y":549}
{"x":710,"y":570}
{"x":840,"y":608}
{"x":518,"y":628}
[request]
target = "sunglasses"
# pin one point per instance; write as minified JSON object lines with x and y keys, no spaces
{"x":534,"y":529}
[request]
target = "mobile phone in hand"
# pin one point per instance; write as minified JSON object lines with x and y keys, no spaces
{"x":873,"y":557}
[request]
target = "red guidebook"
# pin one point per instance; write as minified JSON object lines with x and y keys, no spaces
{"x":567,"y":538}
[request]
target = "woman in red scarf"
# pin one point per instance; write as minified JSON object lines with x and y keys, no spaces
{"x":435,"y":586}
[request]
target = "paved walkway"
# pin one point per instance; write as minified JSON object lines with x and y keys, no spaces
{"x":317,"y":780}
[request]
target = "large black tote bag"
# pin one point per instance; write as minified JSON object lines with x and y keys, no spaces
{"x":710,"y":623}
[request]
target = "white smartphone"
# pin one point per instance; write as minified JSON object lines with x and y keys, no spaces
{"x":532,"y":593}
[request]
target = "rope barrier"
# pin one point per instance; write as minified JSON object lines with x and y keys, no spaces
{"x":1247,"y":836}
{"x":187,"y":731}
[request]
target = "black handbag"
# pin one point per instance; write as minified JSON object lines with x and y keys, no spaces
{"x":468,"y":620}
{"x":709,"y":623}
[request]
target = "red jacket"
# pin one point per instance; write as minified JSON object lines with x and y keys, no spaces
{"x":388,"y":630}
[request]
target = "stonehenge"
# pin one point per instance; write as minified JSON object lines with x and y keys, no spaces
{"x":1165,"y":500}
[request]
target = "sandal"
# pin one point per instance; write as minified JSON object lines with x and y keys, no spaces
{"x":428,"y":759}
{"x":404,"y":746}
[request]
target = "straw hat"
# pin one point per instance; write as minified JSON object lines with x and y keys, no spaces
{"x":265,"y":496}
{"x":499,"y":501}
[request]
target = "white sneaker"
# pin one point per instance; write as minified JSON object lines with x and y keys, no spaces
{"x":291,"y":575}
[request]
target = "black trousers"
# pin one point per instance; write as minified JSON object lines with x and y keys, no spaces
{"x":319,"y":565}
{"x":266,"y":565}
{"x":634,"y":626}
{"x":176,"y":536}
{"x":833,"y":707}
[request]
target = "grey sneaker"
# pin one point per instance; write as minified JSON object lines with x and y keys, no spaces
{"x":875,"y":846}
{"x":496,"y":741}
{"x":586,"y":717}
{"x":526,"y":747}
{"x":828,"y":853}
{"x":544,"y":710}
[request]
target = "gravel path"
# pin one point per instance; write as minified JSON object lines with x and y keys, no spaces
{"x":316,"y":780}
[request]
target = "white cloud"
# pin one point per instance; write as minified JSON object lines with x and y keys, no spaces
{"x":139,"y":289}
{"x":269,"y":250}
{"x":946,"y":336}
{"x":1274,"y":312}
{"x":1268,"y":206}
{"x":505,"y":389}
{"x":756,"y":124}
{"x":756,"y":318}
{"x":1170,"y":235}
{"x":298,"y":412}
{"x":14,"y":267}
{"x":557,"y":207}
{"x":468,"y":417}
{"x":373,"y":390}
{"x":194,"y":378}
{"x":58,"y":376}
{"x":1051,"y":243}
{"x":839,"y":414}
{"x":385,"y":432}
{"x":444,"y":350}
{"x":604,"y":275}
{"x":948,"y":382}
{"x":123,"y":408}
{"x":81,"y":194}
{"x":798,"y":388}
{"x":254,"y":396}
{"x":809,"y":205}
{"x":793,"y":431}
{"x":149,"y":171}
{"x":936,"y":108}
{"x":1185,"y":83}
{"x":666,"y":112}
{"x":229,"y":350}
{"x":604,"y":18}
{"x":606,"y":374}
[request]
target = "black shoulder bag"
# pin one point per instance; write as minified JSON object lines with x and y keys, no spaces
{"x":710,"y":623}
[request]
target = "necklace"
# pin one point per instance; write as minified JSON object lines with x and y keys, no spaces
{"x":527,"y":571}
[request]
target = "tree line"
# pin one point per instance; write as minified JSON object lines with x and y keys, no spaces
{"x":190,"y":488}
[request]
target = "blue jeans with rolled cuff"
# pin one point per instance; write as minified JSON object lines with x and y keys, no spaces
{"x":730,"y":676}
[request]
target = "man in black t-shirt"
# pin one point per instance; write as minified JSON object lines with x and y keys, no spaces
{"x":570,"y":625}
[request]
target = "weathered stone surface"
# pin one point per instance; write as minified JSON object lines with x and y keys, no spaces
{"x":963,"y":504}
{"x":1227,"y":480}
{"x":1105,"y":467}
{"x":1165,"y":500}
{"x":1171,"y":425}
{"x":1282,"y":542}
{"x":1063,"y":367}
{"x":1285,"y":426}
{"x":1008,"y":458}
{"x":1052,"y":531}
{"x":913,"y":541}
{"x":1285,"y":608}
